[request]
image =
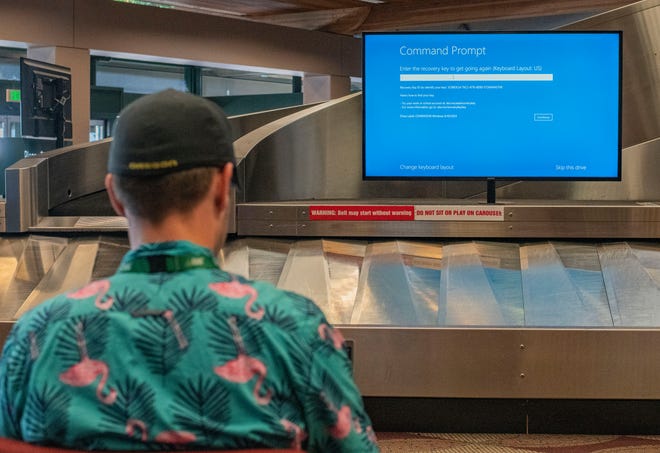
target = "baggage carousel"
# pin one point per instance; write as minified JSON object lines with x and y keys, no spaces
{"x":546,"y":309}
{"x":468,"y":335}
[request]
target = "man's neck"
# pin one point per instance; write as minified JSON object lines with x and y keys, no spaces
{"x":175,"y":227}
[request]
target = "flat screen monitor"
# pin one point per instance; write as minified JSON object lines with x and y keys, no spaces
{"x":520,"y":105}
{"x":45,"y":102}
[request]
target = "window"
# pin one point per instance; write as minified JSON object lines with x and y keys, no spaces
{"x":139,"y":77}
{"x":225,"y":82}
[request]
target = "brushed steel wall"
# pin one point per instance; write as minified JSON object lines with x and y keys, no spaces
{"x":640,"y":23}
{"x":316,"y":154}
{"x":68,"y":182}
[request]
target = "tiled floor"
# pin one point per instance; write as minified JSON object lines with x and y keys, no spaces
{"x":515,"y":443}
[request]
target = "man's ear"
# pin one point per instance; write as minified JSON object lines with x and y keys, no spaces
{"x":114,"y":201}
{"x":223,"y":186}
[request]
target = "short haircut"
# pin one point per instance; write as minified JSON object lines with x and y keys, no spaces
{"x":153,"y":197}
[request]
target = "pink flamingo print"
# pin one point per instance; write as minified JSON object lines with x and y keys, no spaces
{"x":168,"y":315}
{"x":34,"y":347}
{"x":342,"y":428}
{"x":325,"y":332}
{"x":175,"y":437}
{"x":357,"y":426}
{"x":299,"y":434}
{"x":176,"y":328}
{"x":236,"y":290}
{"x":243,"y":368}
{"x":165,"y":437}
{"x":99,"y":289}
{"x":87,"y":370}
{"x":133,"y":424}
{"x":371,"y":435}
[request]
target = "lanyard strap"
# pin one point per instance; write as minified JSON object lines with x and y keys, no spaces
{"x":168,"y":263}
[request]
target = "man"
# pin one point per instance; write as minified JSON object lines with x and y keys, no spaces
{"x":171,"y":350}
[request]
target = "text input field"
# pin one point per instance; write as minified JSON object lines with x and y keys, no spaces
{"x":476,"y":77}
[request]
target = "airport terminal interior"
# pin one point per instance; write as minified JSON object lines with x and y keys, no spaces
{"x":536,"y":311}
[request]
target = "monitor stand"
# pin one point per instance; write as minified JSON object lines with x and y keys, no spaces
{"x":490,"y":190}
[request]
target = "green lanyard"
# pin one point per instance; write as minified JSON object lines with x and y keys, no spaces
{"x":167,"y":263}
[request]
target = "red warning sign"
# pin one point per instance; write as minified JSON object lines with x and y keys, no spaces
{"x":362,"y":212}
{"x":456,"y":212}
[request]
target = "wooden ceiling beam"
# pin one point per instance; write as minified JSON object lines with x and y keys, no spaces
{"x":256,"y":8}
{"x":322,"y":4}
{"x":350,"y":17}
{"x":323,"y":20}
{"x":406,"y":14}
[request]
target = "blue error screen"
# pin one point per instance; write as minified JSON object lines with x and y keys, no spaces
{"x":505,"y":105}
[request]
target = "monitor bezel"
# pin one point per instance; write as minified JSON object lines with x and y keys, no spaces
{"x":618,"y":176}
{"x":29,"y":70}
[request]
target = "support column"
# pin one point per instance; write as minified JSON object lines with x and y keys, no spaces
{"x":193,"y":77}
{"x":79,"y":62}
{"x":318,"y":88}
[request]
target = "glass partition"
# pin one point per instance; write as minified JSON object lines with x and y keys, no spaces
{"x":227,"y":82}
{"x":139,"y":77}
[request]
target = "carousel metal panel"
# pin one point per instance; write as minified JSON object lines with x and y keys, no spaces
{"x":557,"y":298}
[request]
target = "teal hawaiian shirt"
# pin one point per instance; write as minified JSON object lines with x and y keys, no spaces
{"x":173,"y":351}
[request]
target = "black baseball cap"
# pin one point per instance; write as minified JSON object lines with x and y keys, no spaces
{"x":170,"y":131}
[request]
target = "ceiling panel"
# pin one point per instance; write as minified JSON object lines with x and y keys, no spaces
{"x":352,"y":17}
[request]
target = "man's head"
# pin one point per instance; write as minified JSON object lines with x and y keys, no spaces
{"x":171,"y":151}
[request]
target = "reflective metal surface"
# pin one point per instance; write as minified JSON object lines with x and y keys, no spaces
{"x":474,"y":319}
{"x":3,"y":224}
{"x":316,"y":154}
{"x":467,"y":296}
{"x":562,"y":295}
{"x":243,"y":124}
{"x":27,"y":193}
{"x":506,"y":363}
{"x":515,"y":317}
{"x":310,"y":154}
{"x":523,"y":219}
{"x":468,"y":284}
{"x":34,"y":268}
{"x":11,"y":250}
{"x":389,"y":282}
{"x":299,"y":158}
{"x":641,"y":65}
{"x":69,"y":182}
{"x":634,"y":292}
